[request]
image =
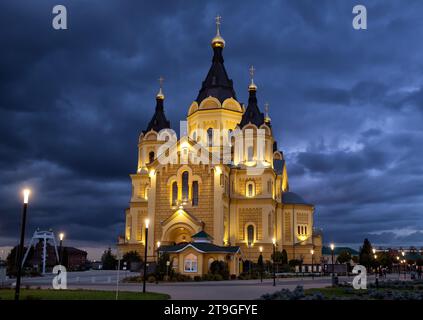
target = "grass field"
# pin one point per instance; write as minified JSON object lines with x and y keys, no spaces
{"x":47,"y":294}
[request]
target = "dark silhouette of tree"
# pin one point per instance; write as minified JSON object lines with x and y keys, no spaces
{"x":344,"y":256}
{"x":131,"y":257}
{"x":366,"y":255}
{"x":220,"y":267}
{"x":284,"y":257}
{"x":12,"y":260}
{"x":108,"y":260}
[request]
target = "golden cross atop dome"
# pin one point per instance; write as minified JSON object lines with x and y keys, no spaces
{"x":218,"y":41}
{"x":252,"y":85}
{"x":218,"y":18}
{"x":266,"y":112}
{"x":160,"y":94}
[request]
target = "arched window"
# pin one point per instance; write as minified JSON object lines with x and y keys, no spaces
{"x":174,"y":193}
{"x":209,"y":137}
{"x":299,"y":230}
{"x":195,"y":193}
{"x":250,"y":189}
{"x":190,"y":263}
{"x":269,"y":186}
{"x":194,"y":135}
{"x":151,"y":157}
{"x":250,"y":234}
{"x":230,"y":135}
{"x":128,"y":227}
{"x":185,"y":187}
{"x":250,"y":153}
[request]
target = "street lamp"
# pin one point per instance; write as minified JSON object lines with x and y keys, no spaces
{"x":167,"y":268}
{"x":405,"y":267}
{"x":146,"y":222}
{"x":332,"y":248}
{"x":61,"y":237}
{"x":158,"y":251}
{"x":274,"y":256}
{"x":312,"y":263}
{"x":261,"y":263}
{"x":26,"y":193}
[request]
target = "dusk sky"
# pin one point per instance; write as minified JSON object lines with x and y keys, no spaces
{"x":346,"y":106}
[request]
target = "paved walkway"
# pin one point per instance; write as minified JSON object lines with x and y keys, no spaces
{"x":205,"y":290}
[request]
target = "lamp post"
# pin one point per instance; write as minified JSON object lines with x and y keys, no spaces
{"x":158,"y":251}
{"x":274,"y":256}
{"x":312,"y":263}
{"x":147,"y":222}
{"x":399,"y":267}
{"x":61,"y":237}
{"x":332,"y":248}
{"x":26,"y":193}
{"x":405,"y":268}
{"x":261,"y":263}
{"x":167,"y":268}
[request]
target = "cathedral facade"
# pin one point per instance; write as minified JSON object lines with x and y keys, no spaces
{"x":220,"y":191}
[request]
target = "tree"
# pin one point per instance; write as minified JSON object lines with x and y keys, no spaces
{"x":108,"y":260}
{"x":260,"y":265}
{"x":277,"y":257}
{"x":365,"y":256}
{"x":294,"y":262}
{"x":284,"y":257}
{"x":344,"y":256}
{"x":162,"y":268}
{"x":131,"y":257}
{"x":220,"y":267}
{"x":12,"y":260}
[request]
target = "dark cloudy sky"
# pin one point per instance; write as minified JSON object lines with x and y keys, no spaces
{"x":346,"y":106}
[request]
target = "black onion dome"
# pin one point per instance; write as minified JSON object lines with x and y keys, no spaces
{"x":159,"y":120}
{"x":217,"y":83}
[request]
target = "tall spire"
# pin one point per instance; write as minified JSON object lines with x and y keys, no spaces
{"x":218,"y":41}
{"x":159,"y":120}
{"x":266,"y":113}
{"x":160,"y":94}
{"x":217,"y":83}
{"x":252,"y":85}
{"x":252,"y":114}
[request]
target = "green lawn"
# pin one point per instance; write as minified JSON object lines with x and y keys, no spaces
{"x":330,"y":292}
{"x":48,"y":294}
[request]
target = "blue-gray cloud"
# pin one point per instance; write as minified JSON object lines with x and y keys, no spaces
{"x":346,"y":105}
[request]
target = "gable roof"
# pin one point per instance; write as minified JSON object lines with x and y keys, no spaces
{"x":203,"y":247}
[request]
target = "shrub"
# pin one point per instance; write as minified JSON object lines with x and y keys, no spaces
{"x":197,"y":278}
{"x":151,"y":279}
{"x":285,"y":294}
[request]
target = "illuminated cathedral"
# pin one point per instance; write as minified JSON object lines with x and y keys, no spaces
{"x":202,"y":211}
